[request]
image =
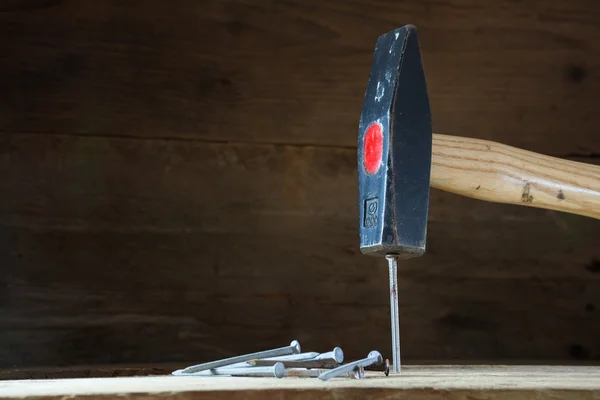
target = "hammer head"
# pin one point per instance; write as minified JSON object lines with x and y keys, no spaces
{"x":394,"y":149}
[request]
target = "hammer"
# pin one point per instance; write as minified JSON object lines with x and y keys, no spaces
{"x":399,"y":159}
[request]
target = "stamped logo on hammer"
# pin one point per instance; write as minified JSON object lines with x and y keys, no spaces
{"x":371,"y":207}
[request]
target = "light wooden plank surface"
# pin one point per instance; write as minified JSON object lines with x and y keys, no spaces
{"x":453,"y":382}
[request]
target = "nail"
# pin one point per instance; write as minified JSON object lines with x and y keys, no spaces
{"x":293,"y":348}
{"x":299,"y":356}
{"x":182,"y":372}
{"x":277,"y":370}
{"x":303,"y":373}
{"x":393,"y":273}
{"x":374,"y":357}
{"x":336,"y":355}
{"x":331,"y":359}
{"x":384,"y":367}
{"x":357,"y":373}
{"x":326,"y":364}
{"x":265,"y":362}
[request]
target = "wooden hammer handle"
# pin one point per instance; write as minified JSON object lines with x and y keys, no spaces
{"x":499,"y":173}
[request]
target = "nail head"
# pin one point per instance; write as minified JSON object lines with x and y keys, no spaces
{"x":296,"y":346}
{"x":338,"y":355}
{"x":377,"y":354}
{"x":279,"y":369}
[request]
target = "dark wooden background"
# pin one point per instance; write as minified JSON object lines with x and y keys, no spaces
{"x":177,"y":181}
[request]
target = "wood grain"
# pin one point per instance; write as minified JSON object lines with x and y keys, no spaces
{"x":178,"y":181}
{"x":88,"y":371}
{"x":523,"y":73}
{"x":417,"y":382}
{"x":113,"y":252}
{"x":491,"y":171}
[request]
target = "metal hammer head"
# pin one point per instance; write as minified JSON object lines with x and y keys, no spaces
{"x":394,"y":149}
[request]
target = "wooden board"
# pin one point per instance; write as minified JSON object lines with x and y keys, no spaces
{"x":295,"y":71}
{"x":178,"y":181}
{"x":416,"y":382}
{"x":91,"y":371}
{"x":114,"y":237}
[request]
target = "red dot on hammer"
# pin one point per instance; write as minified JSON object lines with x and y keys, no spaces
{"x":373,"y":147}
